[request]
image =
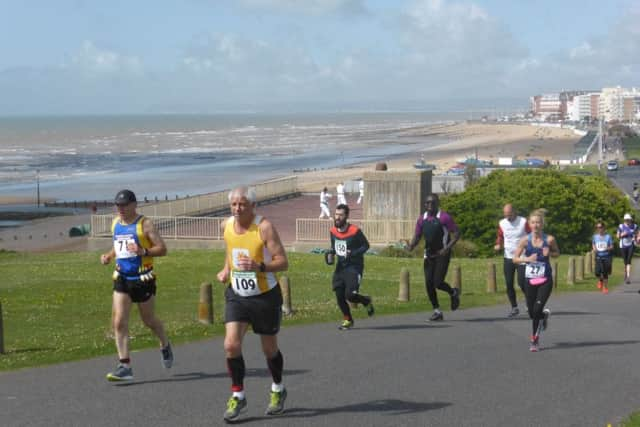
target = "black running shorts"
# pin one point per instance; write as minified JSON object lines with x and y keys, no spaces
{"x":348,"y":279}
{"x":137,"y":290}
{"x":627,"y":254}
{"x":603,"y":266}
{"x":263,"y":312}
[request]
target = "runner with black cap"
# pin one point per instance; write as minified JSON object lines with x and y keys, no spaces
{"x":135,"y":243}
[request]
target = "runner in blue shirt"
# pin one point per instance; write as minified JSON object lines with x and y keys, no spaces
{"x":627,"y":232}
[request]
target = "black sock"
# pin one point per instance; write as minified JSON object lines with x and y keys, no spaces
{"x":276,"y":365}
{"x":236,"y":369}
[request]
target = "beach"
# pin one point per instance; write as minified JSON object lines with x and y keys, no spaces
{"x":441,"y":144}
{"x":462,"y":140}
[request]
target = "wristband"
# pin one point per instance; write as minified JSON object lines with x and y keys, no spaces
{"x":263,"y":267}
{"x":145,"y":252}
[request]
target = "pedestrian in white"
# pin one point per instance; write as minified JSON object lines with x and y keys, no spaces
{"x":340,"y":194}
{"x":361,"y":188}
{"x":324,"y":204}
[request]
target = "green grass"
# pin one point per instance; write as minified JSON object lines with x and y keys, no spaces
{"x":632,"y":147}
{"x":56,"y":307}
{"x":632,"y":421}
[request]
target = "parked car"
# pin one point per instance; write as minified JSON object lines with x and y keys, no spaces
{"x":633,"y":162}
{"x":612,"y":165}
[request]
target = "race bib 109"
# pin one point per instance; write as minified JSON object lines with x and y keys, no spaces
{"x":245,"y":283}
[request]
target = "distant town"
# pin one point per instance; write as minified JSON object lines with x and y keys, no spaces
{"x":611,"y":104}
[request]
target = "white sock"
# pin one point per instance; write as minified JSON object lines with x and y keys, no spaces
{"x":437,"y":310}
{"x":277,"y":387}
{"x":239,"y":394}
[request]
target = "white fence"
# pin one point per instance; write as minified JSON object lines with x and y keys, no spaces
{"x":169,"y":227}
{"x":198,"y":205}
{"x":376,"y":231}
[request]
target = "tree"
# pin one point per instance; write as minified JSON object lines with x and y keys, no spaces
{"x":573,"y":204}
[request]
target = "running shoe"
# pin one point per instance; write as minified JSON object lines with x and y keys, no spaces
{"x":628,"y":281}
{"x":121,"y":373}
{"x":436,"y":316}
{"x":370,"y":310}
{"x":276,"y":402}
{"x":599,"y":284}
{"x":605,"y":290}
{"x":346,"y":324}
{"x":455,"y":299}
{"x":514,"y":312}
{"x":545,"y":321}
{"x":534,"y":344}
{"x":235,"y":405}
{"x":167,"y":356}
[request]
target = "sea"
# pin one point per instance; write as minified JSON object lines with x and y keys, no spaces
{"x":79,"y":158}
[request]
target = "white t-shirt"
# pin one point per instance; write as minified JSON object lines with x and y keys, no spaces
{"x":512,"y":233}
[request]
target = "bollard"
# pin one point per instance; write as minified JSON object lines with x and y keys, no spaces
{"x":286,"y":295}
{"x":1,"y":332}
{"x":571,"y":271}
{"x":555,"y":274}
{"x":403,"y":289}
{"x":457,"y":279}
{"x":589,"y":258}
{"x":205,"y":306}
{"x":580,"y":268}
{"x":491,"y":278}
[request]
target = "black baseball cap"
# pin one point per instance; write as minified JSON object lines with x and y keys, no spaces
{"x":124,"y":197}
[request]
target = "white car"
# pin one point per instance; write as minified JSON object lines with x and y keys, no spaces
{"x":612,"y":165}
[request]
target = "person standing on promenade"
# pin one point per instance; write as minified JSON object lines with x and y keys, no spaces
{"x":135,"y":243}
{"x":342,"y":200}
{"x":511,"y":229}
{"x":602,"y":245}
{"x":324,"y":203}
{"x":534,"y":251}
{"x":440,"y":233}
{"x":349,"y":244}
{"x":361,"y":189}
{"x":627,"y":232}
{"x":254,"y":253}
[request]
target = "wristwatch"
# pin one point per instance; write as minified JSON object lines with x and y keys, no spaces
{"x":263,"y":267}
{"x":145,"y":252}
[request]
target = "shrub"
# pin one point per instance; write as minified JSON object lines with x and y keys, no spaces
{"x":465,"y":249}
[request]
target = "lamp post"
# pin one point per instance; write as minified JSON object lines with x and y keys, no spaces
{"x":38,"y":187}
{"x":600,"y":143}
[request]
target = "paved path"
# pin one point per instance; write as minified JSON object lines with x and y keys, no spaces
{"x":473,"y":369}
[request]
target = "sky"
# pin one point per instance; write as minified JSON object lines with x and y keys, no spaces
{"x":212,"y":56}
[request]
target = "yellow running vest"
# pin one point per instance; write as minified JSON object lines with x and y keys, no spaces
{"x":249,"y":245}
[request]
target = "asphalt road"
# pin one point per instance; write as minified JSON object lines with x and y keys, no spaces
{"x":473,"y":369}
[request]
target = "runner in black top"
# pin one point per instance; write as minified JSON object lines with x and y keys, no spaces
{"x":348,"y":245}
{"x":440,"y":233}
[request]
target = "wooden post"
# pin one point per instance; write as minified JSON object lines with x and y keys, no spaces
{"x":580,"y":269}
{"x":286,"y":295}
{"x":1,"y":331}
{"x":205,"y":306}
{"x":491,"y":278}
{"x":457,"y":279}
{"x":571,"y":272}
{"x":555,"y":274}
{"x":403,"y":289}
{"x":589,"y":258}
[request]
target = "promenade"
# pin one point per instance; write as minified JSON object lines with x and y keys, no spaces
{"x":473,"y":369}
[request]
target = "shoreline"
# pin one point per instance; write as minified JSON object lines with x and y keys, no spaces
{"x":444,"y":145}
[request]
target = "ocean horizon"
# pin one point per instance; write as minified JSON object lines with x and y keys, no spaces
{"x":92,"y":157}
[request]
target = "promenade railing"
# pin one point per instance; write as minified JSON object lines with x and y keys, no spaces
{"x":212,"y":202}
{"x":376,"y":231}
{"x":169,"y":227}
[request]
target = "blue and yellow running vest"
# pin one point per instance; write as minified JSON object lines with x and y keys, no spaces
{"x":129,"y":264}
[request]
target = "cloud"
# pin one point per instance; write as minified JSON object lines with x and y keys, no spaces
{"x":309,"y":7}
{"x":92,"y":59}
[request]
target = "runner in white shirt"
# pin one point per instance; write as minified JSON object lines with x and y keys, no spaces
{"x":324,"y":204}
{"x":511,"y":229}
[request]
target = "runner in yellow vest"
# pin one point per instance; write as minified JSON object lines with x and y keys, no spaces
{"x":254,"y":253}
